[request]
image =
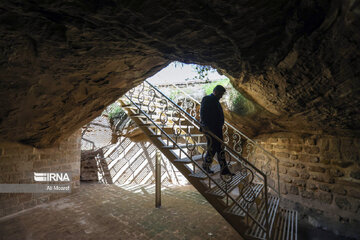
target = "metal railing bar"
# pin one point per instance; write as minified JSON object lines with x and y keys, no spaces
{"x":212,"y":134}
{"x":194,"y":162}
{"x":237,"y":130}
{"x":241,"y":133}
{"x":256,"y":174}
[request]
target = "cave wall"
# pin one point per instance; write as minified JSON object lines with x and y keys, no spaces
{"x":18,"y":163}
{"x":62,"y":62}
{"x":319,"y":176}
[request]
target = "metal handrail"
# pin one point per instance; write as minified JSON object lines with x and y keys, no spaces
{"x":211,"y":133}
{"x":194,"y":162}
{"x":242,"y":134}
{"x":197,"y":124}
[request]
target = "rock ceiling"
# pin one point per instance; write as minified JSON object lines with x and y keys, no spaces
{"x":62,"y":62}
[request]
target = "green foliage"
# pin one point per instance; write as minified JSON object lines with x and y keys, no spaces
{"x":174,"y":94}
{"x":210,"y":86}
{"x":235,"y":101}
{"x":239,"y":104}
{"x":203,"y":72}
{"x":114,"y":111}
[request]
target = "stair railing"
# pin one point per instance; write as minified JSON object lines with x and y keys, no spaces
{"x":241,"y":143}
{"x":150,"y":105}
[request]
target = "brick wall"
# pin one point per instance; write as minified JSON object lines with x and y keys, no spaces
{"x":19,"y":162}
{"x":320,"y":177}
{"x":88,"y":166}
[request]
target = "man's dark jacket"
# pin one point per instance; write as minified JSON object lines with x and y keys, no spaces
{"x":211,"y":114}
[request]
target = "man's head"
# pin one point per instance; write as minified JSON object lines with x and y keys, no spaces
{"x":219,"y":91}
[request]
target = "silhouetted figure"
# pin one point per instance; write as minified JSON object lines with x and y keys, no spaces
{"x":212,"y":119}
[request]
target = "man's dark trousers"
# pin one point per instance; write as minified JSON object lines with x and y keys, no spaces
{"x":214,"y":147}
{"x":212,"y":117}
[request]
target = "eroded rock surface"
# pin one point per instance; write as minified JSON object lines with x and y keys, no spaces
{"x":62,"y":62}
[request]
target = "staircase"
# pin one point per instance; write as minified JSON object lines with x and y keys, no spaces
{"x":247,"y":200}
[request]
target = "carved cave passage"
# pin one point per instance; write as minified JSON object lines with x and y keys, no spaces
{"x":62,"y":63}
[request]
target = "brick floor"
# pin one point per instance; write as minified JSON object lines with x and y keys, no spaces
{"x":120,"y":212}
{"x":127,"y":212}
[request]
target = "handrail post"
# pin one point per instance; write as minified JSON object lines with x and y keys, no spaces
{"x":266,"y":209}
{"x":278,"y":176}
{"x":157,"y":180}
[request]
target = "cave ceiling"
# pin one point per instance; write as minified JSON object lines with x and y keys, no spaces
{"x":62,"y":62}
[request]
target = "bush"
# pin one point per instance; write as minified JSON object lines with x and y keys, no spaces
{"x":174,"y":94}
{"x":235,"y":101}
{"x":210,"y":86}
{"x":115,"y":113}
{"x":239,"y":104}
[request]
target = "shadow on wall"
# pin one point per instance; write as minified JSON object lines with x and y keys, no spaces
{"x":124,"y":162}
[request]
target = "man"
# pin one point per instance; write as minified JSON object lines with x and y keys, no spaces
{"x":212,"y":119}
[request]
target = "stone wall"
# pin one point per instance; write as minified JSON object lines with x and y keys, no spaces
{"x":320,"y":177}
{"x":19,"y":162}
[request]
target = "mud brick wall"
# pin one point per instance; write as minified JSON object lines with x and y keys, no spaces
{"x":89,"y":168}
{"x":319,"y":176}
{"x":19,"y":162}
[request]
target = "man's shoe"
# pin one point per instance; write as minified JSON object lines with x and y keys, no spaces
{"x":207,"y":169}
{"x":227,"y":172}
